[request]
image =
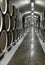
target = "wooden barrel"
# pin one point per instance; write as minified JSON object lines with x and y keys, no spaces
{"x":17,"y":12}
{"x":3,"y":6}
{"x":1,"y":22}
{"x":3,"y":41}
{"x":17,"y":34}
{"x":0,"y":4}
{"x":7,"y":22}
{"x":10,"y":8}
{"x":12,"y":23}
{"x":13,"y":35}
{"x":20,"y":32}
{"x":10,"y":37}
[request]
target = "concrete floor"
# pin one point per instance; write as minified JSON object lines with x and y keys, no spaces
{"x":30,"y":51}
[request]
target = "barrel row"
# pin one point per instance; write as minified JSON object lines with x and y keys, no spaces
{"x":11,"y":29}
{"x":6,"y":6}
{"x":7,"y":22}
{"x":40,"y":25}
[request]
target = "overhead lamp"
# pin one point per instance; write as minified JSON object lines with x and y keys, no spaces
{"x":32,"y":9}
{"x":32,"y":4}
{"x":32,"y":13}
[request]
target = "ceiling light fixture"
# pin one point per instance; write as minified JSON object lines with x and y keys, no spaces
{"x":32,"y":13}
{"x":32,"y":9}
{"x":32,"y":4}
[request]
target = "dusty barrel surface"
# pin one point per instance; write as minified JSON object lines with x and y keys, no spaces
{"x":0,"y":4}
{"x":1,"y":22}
{"x":3,"y":5}
{"x":10,"y":37}
{"x":7,"y":22}
{"x":3,"y":41}
{"x":10,"y":8}
{"x":14,"y":35}
{"x":12,"y":23}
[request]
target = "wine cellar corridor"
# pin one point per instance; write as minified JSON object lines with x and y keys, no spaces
{"x":22,"y":32}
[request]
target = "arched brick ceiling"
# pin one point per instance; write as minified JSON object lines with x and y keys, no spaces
{"x":25,"y":5}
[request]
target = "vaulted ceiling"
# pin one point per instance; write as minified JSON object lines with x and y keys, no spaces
{"x":25,"y":5}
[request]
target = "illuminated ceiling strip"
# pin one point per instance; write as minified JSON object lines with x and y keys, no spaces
{"x":30,"y":16}
{"x":32,"y":13}
{"x":28,"y":12}
{"x":36,"y":12}
{"x":32,"y":6}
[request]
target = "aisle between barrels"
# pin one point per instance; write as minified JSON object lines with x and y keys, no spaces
{"x":30,"y":51}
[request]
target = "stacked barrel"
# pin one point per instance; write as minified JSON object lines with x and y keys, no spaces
{"x":40,"y":25}
{"x":10,"y":29}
